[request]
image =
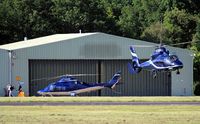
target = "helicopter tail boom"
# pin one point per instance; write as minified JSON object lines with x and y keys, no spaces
{"x":133,"y":70}
{"x":135,"y":66}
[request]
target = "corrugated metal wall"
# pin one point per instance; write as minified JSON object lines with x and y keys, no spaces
{"x":4,"y":71}
{"x":141,"y":84}
{"x":39,"y":69}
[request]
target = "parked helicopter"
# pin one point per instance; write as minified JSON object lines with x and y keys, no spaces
{"x":160,"y":60}
{"x":68,"y":85}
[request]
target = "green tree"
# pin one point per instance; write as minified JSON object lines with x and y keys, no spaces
{"x":181,"y":25}
{"x":38,"y":18}
{"x":155,"y":33}
{"x":128,"y":22}
{"x":10,"y":21}
{"x":20,"y":18}
{"x":196,"y":49}
{"x":68,"y":16}
{"x":133,"y":18}
{"x":190,"y":6}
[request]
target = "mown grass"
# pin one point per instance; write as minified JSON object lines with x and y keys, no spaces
{"x":100,"y":99}
{"x":100,"y":114}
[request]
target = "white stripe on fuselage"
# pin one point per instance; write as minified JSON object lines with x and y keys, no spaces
{"x":74,"y":91}
{"x":134,"y":54}
{"x":169,"y":67}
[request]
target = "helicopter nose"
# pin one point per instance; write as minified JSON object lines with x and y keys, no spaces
{"x":180,"y":64}
{"x":39,"y":92}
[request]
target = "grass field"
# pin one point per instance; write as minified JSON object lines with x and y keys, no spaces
{"x":138,"y":114}
{"x":100,"y":114}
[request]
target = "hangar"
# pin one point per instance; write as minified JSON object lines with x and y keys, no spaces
{"x":32,"y":61}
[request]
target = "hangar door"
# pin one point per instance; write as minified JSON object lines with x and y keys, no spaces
{"x":44,"y":72}
{"x":141,"y":84}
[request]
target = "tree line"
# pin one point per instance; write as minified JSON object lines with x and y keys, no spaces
{"x":172,"y":21}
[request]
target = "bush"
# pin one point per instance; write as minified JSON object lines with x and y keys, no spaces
{"x":197,"y":89}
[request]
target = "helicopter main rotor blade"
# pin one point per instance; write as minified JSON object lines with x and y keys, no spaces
{"x":142,"y":45}
{"x":190,"y":42}
{"x":77,"y":75}
{"x":46,"y":78}
{"x":148,"y":46}
{"x":56,"y":77}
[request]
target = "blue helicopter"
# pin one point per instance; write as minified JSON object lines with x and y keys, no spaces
{"x":161,"y":61}
{"x":68,"y":85}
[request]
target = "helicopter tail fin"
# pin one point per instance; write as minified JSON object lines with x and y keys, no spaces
{"x":131,"y":69}
{"x":135,"y":66}
{"x":115,"y":79}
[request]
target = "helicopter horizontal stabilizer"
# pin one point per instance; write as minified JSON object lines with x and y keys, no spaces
{"x":131,"y":69}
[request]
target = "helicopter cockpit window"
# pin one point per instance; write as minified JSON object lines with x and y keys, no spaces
{"x":167,"y":51}
{"x":51,"y":87}
{"x":84,"y":83}
{"x":157,"y":50}
{"x":173,"y":58}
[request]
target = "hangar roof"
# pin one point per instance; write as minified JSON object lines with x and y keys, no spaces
{"x":43,"y":40}
{"x":63,"y":37}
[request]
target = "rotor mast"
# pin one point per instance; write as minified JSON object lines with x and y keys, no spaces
{"x":161,"y":31}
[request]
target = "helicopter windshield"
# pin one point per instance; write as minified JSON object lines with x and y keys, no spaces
{"x":161,"y":50}
{"x":173,"y":58}
{"x":157,"y":50}
{"x":65,"y":79}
